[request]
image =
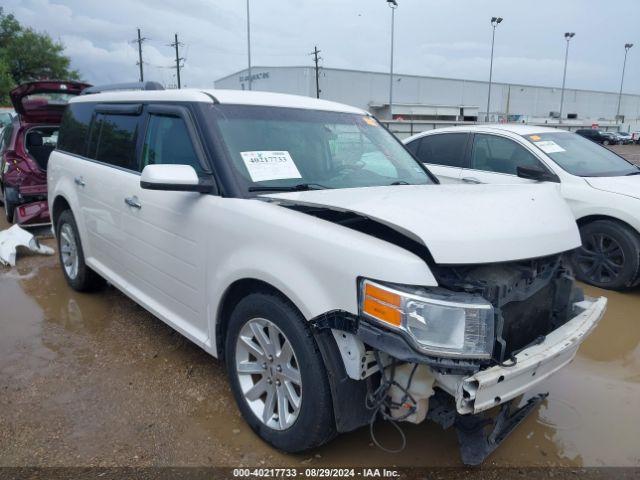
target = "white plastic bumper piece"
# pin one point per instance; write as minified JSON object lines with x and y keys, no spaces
{"x":499,"y":384}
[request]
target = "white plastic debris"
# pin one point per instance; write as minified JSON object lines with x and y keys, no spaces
{"x":14,"y":237}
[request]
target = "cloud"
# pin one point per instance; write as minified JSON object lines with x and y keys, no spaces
{"x":439,"y":38}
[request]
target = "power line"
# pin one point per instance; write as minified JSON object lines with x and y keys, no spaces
{"x":316,"y":59}
{"x":176,"y":45}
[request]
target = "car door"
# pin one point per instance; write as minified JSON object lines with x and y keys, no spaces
{"x":443,"y":153}
{"x":111,"y":151}
{"x":495,"y":159}
{"x":164,"y":230}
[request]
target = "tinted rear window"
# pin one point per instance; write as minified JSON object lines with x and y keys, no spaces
{"x":113,"y":139}
{"x":445,"y":149}
{"x":74,"y":129}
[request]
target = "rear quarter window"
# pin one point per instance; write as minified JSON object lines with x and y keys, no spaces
{"x":74,"y":128}
{"x":113,"y":139}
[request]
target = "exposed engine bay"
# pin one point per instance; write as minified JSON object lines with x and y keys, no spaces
{"x":531,"y":298}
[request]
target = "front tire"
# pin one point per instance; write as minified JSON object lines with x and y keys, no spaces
{"x":78,"y":275}
{"x":609,"y":257}
{"x":277,"y":374}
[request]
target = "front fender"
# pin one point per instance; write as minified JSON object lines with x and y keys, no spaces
{"x":315,"y":263}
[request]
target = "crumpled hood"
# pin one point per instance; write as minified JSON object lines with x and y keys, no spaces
{"x":462,"y":224}
{"x":629,"y":185}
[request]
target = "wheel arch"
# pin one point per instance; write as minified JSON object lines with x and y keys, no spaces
{"x":235,"y":292}
{"x":60,"y":204}
{"x":587,"y":219}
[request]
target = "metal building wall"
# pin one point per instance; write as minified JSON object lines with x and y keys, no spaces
{"x":366,"y":89}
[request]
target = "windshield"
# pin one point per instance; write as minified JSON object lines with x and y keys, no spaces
{"x":286,"y":148}
{"x":580,"y":156}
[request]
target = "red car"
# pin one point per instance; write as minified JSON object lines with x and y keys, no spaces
{"x":26,"y":144}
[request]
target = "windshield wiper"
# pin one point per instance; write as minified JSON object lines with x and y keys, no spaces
{"x":637,"y":172}
{"x":288,"y":188}
{"x":400,"y":182}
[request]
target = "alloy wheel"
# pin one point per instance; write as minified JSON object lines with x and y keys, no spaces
{"x":601,"y":258}
{"x":69,"y":251}
{"x":268,"y":373}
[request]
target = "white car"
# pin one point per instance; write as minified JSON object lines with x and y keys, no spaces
{"x":297,"y":240}
{"x":601,"y":188}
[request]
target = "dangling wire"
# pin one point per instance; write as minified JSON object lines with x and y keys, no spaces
{"x":379,"y":401}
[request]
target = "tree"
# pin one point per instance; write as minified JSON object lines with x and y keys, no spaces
{"x":27,"y":55}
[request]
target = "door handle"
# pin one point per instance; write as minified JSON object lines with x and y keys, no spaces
{"x":471,"y":180}
{"x":79,"y":181}
{"x":133,"y":202}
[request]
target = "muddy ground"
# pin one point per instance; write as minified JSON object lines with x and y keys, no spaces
{"x":93,"y":379}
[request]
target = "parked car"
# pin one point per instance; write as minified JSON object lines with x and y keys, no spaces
{"x":635,"y":136}
{"x":598,"y":136}
{"x":601,"y":188}
{"x":26,"y":144}
{"x":624,"y":138}
{"x":298,"y":240}
{"x":5,"y":118}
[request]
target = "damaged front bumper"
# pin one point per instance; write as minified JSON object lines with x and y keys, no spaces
{"x":464,"y":390}
{"x":499,"y":384}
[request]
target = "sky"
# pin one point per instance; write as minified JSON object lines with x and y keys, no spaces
{"x":445,"y":38}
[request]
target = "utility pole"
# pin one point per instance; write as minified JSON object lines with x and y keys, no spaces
{"x":316,"y":59}
{"x":139,"y":41}
{"x":177,"y":44}
{"x":249,"y":47}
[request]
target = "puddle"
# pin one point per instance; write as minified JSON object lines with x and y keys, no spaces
{"x":115,"y":386}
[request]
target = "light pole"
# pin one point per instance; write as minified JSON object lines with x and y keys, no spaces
{"x":627,"y":46}
{"x":249,"y":45}
{"x":494,"y":23}
{"x":393,"y":4}
{"x":568,"y":36}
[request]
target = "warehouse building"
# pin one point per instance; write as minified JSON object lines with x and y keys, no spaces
{"x":418,"y":98}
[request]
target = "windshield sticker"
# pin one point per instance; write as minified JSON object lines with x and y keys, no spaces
{"x":549,"y":146}
{"x":270,"y":165}
{"x":369,"y":121}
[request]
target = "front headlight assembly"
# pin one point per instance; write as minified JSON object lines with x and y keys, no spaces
{"x":436,"y":322}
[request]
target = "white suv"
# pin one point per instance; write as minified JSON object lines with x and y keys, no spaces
{"x":601,"y":188}
{"x":299,"y":241}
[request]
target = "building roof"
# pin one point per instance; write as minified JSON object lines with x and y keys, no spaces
{"x":230,"y":97}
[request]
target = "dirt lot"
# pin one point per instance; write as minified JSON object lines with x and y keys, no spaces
{"x":93,"y":379}
{"x":630,"y":152}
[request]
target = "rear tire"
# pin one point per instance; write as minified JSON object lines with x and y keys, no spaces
{"x":300,"y":428}
{"x":609,"y":257}
{"x":78,"y":275}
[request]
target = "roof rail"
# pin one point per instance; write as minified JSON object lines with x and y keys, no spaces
{"x":123,"y":86}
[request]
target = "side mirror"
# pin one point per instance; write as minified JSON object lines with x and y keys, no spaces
{"x":177,"y":178}
{"x":537,"y":174}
